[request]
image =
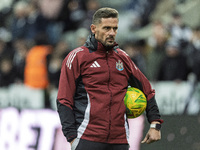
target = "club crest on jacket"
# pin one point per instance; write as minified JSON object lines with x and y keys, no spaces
{"x":119,"y":65}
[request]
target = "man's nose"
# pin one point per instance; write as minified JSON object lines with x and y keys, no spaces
{"x":112,"y":32}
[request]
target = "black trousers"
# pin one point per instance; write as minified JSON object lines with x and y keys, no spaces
{"x":90,"y":145}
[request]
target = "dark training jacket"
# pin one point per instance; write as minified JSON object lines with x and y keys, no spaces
{"x":92,"y":86}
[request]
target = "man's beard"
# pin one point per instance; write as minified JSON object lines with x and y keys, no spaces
{"x":109,"y":45}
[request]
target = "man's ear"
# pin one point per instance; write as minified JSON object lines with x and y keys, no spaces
{"x":93,"y":28}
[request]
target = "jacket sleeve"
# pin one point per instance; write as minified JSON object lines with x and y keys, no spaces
{"x":138,"y":80}
{"x":70,"y":71}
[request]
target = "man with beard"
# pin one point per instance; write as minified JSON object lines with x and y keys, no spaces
{"x":93,"y":82}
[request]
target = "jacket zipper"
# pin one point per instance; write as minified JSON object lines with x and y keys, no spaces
{"x":110,"y":96}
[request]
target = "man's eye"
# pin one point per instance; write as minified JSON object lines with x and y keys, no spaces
{"x":107,"y":28}
{"x":115,"y":29}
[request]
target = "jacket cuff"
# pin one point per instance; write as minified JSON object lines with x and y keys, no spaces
{"x":152,"y":111}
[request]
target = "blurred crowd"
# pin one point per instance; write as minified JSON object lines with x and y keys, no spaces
{"x":36,"y":35}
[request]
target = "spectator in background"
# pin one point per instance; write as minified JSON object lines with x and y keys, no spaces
{"x":23,"y":21}
{"x":48,"y":17}
{"x":54,"y":67}
{"x":19,"y":20}
{"x":20,"y":51}
{"x":5,"y":34}
{"x":156,"y":43}
{"x":91,"y":7}
{"x":5,"y":13}
{"x":50,"y":9}
{"x":7,"y":74}
{"x":142,"y":9}
{"x":2,"y":48}
{"x":135,"y":51}
{"x":179,"y":30}
{"x":61,"y":49}
{"x":35,"y":74}
{"x":32,"y":20}
{"x":36,"y":71}
{"x":81,"y":36}
{"x":174,"y":66}
{"x":5,"y":49}
{"x":54,"y":60}
{"x":192,"y":52}
{"x":73,"y":14}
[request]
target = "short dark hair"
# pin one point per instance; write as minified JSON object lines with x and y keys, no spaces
{"x":105,"y":12}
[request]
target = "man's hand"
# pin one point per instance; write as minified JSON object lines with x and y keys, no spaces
{"x":152,"y":135}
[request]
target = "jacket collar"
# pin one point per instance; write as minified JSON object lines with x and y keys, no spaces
{"x":93,"y":45}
